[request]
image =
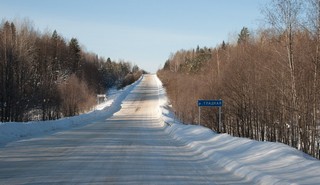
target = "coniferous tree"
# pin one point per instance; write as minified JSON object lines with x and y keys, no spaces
{"x":243,"y":37}
{"x":74,"y":54}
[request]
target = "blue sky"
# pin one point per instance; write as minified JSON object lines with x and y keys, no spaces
{"x":144,"y":32}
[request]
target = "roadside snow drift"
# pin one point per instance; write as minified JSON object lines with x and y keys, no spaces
{"x":261,"y":162}
{"x":13,"y":131}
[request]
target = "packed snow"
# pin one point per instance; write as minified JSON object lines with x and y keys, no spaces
{"x":13,"y":131}
{"x":259,"y":162}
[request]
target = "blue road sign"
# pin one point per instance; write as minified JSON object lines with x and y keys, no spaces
{"x":210,"y":103}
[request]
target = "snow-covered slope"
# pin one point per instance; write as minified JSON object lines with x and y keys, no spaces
{"x":13,"y":131}
{"x":262,"y":162}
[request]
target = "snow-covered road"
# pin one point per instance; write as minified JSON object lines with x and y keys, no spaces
{"x":131,"y":147}
{"x":135,"y":140}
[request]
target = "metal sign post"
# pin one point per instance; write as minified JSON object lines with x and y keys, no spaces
{"x":199,"y":116}
{"x":220,"y":125}
{"x":211,"y":103}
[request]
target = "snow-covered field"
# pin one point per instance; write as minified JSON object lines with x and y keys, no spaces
{"x":258,"y":162}
{"x":13,"y":131}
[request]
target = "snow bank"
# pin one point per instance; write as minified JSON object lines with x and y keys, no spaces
{"x":165,"y":113}
{"x":13,"y":131}
{"x":261,"y":162}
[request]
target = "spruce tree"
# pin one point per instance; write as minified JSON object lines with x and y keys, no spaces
{"x":243,"y":36}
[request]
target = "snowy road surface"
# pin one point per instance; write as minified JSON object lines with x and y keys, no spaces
{"x":130,"y":147}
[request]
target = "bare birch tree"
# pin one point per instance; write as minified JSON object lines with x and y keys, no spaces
{"x":283,"y":15}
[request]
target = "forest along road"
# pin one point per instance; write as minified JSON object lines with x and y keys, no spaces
{"x":130,"y":147}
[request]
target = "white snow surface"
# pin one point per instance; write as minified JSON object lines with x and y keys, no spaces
{"x":14,"y":131}
{"x":258,"y":162}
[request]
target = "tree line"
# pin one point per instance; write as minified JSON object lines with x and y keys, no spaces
{"x":269,"y":79}
{"x":44,"y":76}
